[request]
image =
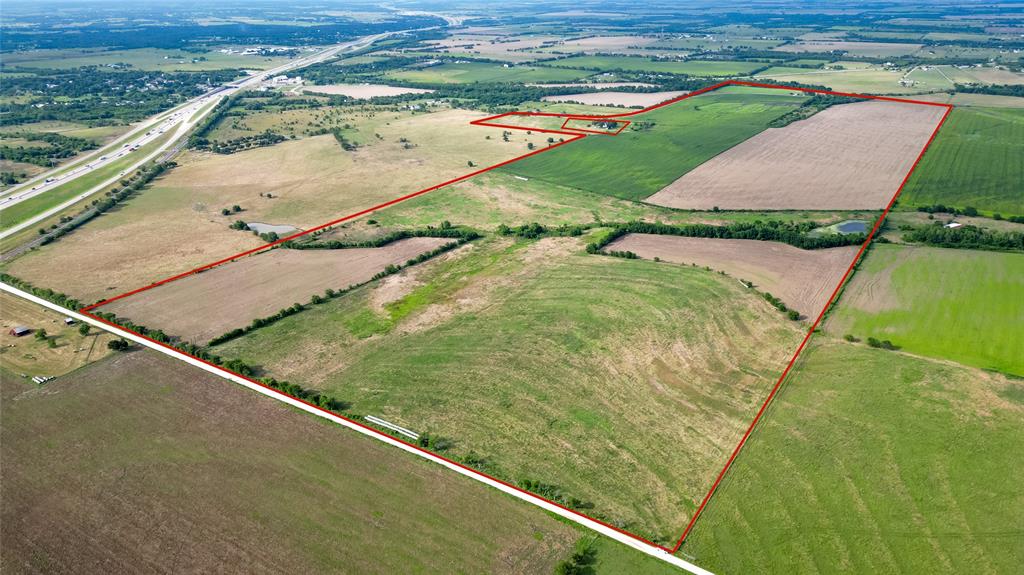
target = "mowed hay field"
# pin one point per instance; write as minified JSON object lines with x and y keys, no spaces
{"x":30,"y":356}
{"x":871,"y":461}
{"x":802,"y":279}
{"x":644,"y":159}
{"x":963,"y":305}
{"x":204,"y":305}
{"x":622,"y":382}
{"x":143,"y":463}
{"x":846,"y":157}
{"x":176,"y":225}
{"x":976,"y":160}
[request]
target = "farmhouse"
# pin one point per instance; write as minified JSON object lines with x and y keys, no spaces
{"x":19,"y":331}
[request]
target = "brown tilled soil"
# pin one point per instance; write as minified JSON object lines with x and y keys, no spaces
{"x":851,"y":156}
{"x":802,"y":279}
{"x":143,"y":464}
{"x":205,"y":305}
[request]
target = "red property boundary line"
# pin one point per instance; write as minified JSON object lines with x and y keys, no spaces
{"x":575,"y":135}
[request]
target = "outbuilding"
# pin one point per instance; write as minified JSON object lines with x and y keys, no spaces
{"x":19,"y":331}
{"x":69,"y":321}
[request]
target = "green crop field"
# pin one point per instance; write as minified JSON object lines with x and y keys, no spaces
{"x":640,"y":64}
{"x":871,"y":461}
{"x":468,"y":72}
{"x":640,"y":161}
{"x":524,"y":353}
{"x":240,"y":482}
{"x":976,"y":160}
{"x":962,"y":305}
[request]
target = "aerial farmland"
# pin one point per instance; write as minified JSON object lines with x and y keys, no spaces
{"x":532,"y":288}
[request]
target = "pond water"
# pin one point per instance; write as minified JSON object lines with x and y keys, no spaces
{"x":280,"y":230}
{"x":850,"y":227}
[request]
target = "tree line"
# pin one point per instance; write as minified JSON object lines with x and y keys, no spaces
{"x":793,"y":233}
{"x":966,"y":237}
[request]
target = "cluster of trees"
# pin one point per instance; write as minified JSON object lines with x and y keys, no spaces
{"x":112,"y":197}
{"x":966,"y":237}
{"x":994,"y":89}
{"x":966,"y":211}
{"x":59,"y":147}
{"x":882,"y":344}
{"x":45,"y":293}
{"x":11,"y":178}
{"x":580,"y":562}
{"x":792,"y":233}
{"x":535,"y":230}
{"x":198,"y":136}
{"x":317,"y":398}
{"x":267,"y":138}
{"x":100,"y":96}
{"x":624,"y":254}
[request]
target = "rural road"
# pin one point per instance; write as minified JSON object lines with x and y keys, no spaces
{"x":183,"y":117}
{"x":605,"y":530}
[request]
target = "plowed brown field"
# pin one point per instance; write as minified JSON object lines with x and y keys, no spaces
{"x":847,"y":157}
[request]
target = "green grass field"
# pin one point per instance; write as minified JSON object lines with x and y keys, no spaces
{"x":468,"y":72}
{"x":620,"y":381}
{"x":976,"y":160}
{"x":237,"y":481}
{"x":874,"y":462}
{"x":639,"y":162}
{"x":962,"y":305}
{"x":640,"y":64}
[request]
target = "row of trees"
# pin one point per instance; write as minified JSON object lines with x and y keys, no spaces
{"x":793,"y":233}
{"x":45,"y":293}
{"x":966,"y":237}
{"x":447,"y":230}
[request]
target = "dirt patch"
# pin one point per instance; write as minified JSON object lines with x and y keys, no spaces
{"x":802,"y":279}
{"x":848,"y":157}
{"x":612,"y":98}
{"x":205,"y":305}
{"x":364,"y":91}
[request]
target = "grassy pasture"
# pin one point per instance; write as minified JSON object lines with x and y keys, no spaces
{"x":976,"y":160}
{"x":864,"y":81}
{"x":624,"y":382}
{"x":874,"y":462}
{"x":640,"y":161}
{"x":31,"y":356}
{"x":635,"y":64}
{"x":468,"y":72}
{"x":161,"y":462}
{"x":962,"y":305}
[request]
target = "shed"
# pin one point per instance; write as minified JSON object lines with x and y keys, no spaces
{"x":69,"y":321}
{"x":19,"y":331}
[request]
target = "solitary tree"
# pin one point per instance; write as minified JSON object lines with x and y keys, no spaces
{"x":83,"y":328}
